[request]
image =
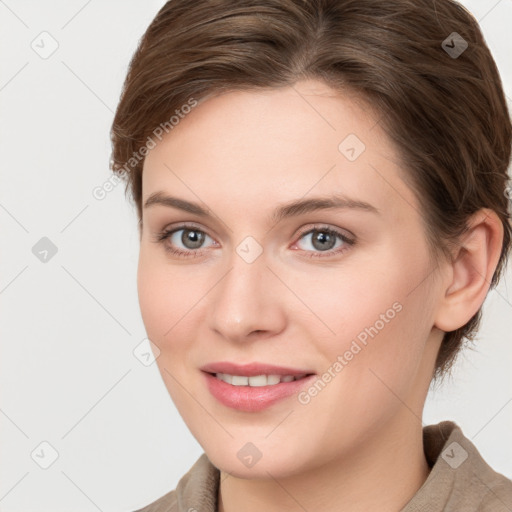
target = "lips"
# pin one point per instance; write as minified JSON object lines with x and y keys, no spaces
{"x":255,"y":386}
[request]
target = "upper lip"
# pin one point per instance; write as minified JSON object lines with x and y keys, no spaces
{"x":252,"y":369}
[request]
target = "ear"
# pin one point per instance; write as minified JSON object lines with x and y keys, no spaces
{"x":470,"y":271}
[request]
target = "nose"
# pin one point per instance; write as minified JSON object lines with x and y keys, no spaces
{"x":247,"y":303}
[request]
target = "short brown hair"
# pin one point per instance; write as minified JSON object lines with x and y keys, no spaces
{"x":446,"y":113}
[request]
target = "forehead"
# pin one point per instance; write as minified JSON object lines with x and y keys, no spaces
{"x":259,"y":148}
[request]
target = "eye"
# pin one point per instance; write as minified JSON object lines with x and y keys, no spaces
{"x":187,"y":241}
{"x":187,"y":236}
{"x":325,"y":239}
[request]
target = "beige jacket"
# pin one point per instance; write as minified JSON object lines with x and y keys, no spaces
{"x":459,"y":481}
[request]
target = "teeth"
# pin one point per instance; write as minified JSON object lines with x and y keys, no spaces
{"x":257,"y":380}
{"x":273,"y":379}
{"x":239,"y":380}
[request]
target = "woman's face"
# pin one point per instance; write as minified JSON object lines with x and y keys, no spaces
{"x":346,"y":294}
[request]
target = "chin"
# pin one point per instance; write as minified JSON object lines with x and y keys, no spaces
{"x":273,"y":461}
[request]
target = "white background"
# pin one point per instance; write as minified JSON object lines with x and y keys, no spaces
{"x":68,"y":375}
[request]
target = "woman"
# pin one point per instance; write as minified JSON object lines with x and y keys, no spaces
{"x":321,"y":192}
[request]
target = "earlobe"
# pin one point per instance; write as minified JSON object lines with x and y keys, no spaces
{"x":472,"y":267}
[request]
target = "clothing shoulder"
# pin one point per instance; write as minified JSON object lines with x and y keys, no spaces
{"x":197,"y":490}
{"x":460,"y":479}
{"x":498,"y":498}
{"x":494,"y":490}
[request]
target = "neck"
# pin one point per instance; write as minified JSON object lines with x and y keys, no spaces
{"x":383,"y":474}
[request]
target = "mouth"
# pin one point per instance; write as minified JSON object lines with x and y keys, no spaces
{"x":254,"y":387}
{"x":256,"y":380}
{"x":253,"y":370}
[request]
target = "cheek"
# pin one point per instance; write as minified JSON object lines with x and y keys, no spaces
{"x":165,"y":294}
{"x":377,"y":312}
{"x":375,"y":362}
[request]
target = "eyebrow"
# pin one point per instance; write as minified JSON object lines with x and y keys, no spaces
{"x":291,"y":209}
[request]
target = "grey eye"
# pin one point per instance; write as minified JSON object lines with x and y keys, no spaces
{"x":190,"y":238}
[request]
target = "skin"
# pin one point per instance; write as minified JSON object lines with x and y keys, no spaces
{"x":241,"y":154}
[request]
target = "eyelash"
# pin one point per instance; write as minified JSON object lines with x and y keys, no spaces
{"x":164,"y":235}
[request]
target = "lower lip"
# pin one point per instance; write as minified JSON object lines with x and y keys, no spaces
{"x":253,"y":399}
